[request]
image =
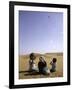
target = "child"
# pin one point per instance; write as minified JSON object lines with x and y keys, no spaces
{"x":32,"y":65}
{"x":53,"y":64}
{"x":42,"y":66}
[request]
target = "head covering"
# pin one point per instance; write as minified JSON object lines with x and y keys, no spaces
{"x":42,"y":58}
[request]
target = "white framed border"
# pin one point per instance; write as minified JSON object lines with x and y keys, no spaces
{"x":18,"y":81}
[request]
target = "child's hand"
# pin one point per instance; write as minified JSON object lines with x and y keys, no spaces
{"x":51,"y":62}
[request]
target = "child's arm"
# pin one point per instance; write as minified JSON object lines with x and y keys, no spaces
{"x":30,"y":61}
{"x":51,"y":62}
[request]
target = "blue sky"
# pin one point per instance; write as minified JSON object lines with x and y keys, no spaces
{"x":40,"y":32}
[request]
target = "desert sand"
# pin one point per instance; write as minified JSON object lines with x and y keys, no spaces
{"x":24,"y":66}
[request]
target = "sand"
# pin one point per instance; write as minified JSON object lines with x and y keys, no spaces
{"x":24,"y":66}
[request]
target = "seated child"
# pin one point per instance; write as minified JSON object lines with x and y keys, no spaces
{"x":42,"y":66}
{"x":32,"y":65}
{"x":53,"y":64}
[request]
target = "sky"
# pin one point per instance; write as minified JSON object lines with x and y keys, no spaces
{"x":40,"y":32}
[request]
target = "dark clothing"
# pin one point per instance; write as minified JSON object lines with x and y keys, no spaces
{"x":41,"y":66}
{"x":52,"y":70}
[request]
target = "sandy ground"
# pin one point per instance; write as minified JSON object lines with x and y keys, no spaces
{"x":24,"y":66}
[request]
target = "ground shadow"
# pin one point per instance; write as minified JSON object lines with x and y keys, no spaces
{"x":29,"y":73}
{"x":25,"y":71}
{"x":32,"y":73}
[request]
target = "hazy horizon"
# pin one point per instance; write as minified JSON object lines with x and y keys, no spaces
{"x":40,"y":32}
{"x":43,"y":53}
